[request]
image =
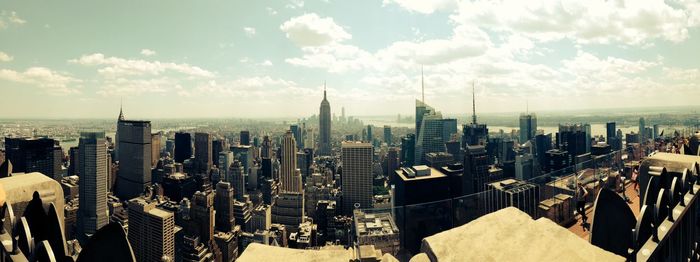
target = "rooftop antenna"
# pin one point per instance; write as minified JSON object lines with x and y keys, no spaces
{"x":527,"y":106}
{"x":422,"y":84}
{"x":473,"y":104}
{"x":324,"y":89}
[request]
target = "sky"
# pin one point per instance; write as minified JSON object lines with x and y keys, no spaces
{"x":249,"y":59}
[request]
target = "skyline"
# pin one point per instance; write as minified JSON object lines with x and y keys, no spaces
{"x":247,"y":60}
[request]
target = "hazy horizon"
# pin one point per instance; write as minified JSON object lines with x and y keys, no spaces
{"x":270,"y":59}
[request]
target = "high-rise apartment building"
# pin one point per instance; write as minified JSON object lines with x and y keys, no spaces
{"x":357,"y":175}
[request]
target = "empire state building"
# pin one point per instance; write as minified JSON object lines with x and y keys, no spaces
{"x":324,"y":148}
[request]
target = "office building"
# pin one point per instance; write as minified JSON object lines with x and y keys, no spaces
{"x":245,"y":138}
{"x":223,"y":204}
{"x":151,"y":230}
{"x":183,"y":147}
{"x":266,"y":148}
{"x":513,"y":193}
{"x":41,"y":155}
{"x":261,"y":218}
{"x":449,"y":128}
{"x":202,"y":220}
{"x":290,"y":177}
{"x":379,"y":230}
{"x":237,"y":180}
{"x":134,"y":174}
{"x":408,"y":149}
{"x":387,"y":135}
{"x":525,"y":167}
{"x":203,"y":152}
{"x":155,"y":148}
{"x":430,"y":135}
{"x":476,"y":166}
{"x":357,"y":175}
{"x":642,"y":130}
{"x":92,"y":211}
{"x":528,"y":127}
{"x":288,"y":210}
{"x":324,"y":119}
{"x":73,"y":160}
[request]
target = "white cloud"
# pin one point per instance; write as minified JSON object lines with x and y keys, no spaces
{"x":271,"y":11}
{"x":4,"y":57}
{"x":424,"y":6}
{"x":249,"y":31}
{"x":7,"y":18}
{"x":148,"y":52}
{"x":294,"y":4}
{"x":627,"y":22}
{"x":116,"y":67}
{"x":266,"y":63}
{"x":312,"y":30}
{"x":52,"y":82}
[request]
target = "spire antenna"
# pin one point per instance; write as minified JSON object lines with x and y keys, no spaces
{"x":324,"y":89}
{"x":473,"y":104}
{"x":422,"y":84}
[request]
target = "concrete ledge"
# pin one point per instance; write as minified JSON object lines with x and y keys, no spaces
{"x":512,"y":235}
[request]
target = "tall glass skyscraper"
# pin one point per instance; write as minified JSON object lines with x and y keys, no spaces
{"x":528,"y":127}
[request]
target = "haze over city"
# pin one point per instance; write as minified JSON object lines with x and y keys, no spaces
{"x":271,"y":58}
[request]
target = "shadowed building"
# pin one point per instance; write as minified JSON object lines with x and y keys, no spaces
{"x":92,"y":211}
{"x":134,"y":158}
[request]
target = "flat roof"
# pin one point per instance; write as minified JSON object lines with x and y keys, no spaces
{"x":434,"y":173}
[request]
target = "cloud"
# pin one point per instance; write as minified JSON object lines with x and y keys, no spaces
{"x":465,"y":42}
{"x":52,"y":82}
{"x":294,"y":4}
{"x":148,"y":52}
{"x":423,"y":6}
{"x":8,"y":18}
{"x":312,"y":30}
{"x":4,"y":57}
{"x":271,"y":11}
{"x":626,"y":22}
{"x":266,"y":63}
{"x":249,"y":31}
{"x":116,"y":67}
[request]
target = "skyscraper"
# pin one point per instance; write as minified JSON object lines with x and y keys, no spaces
{"x":430,"y":135}
{"x":528,"y":127}
{"x":449,"y":127}
{"x":237,"y":180}
{"x":297,"y":132}
{"x":642,"y":130}
{"x":151,"y":230}
{"x":202,"y":152}
{"x":370,"y":136}
{"x":223,"y":204}
{"x":289,"y":175}
{"x":155,"y":148}
{"x":266,"y":148}
{"x":610,"y":130}
{"x":245,"y":137}
{"x":35,"y":155}
{"x":387,"y":135}
{"x":324,"y":145}
{"x":357,"y":175}
{"x":183,"y":146}
{"x":408,"y":150}
{"x":203,"y":220}
{"x":92,"y":211}
{"x":474,"y":133}
{"x":134,"y":158}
